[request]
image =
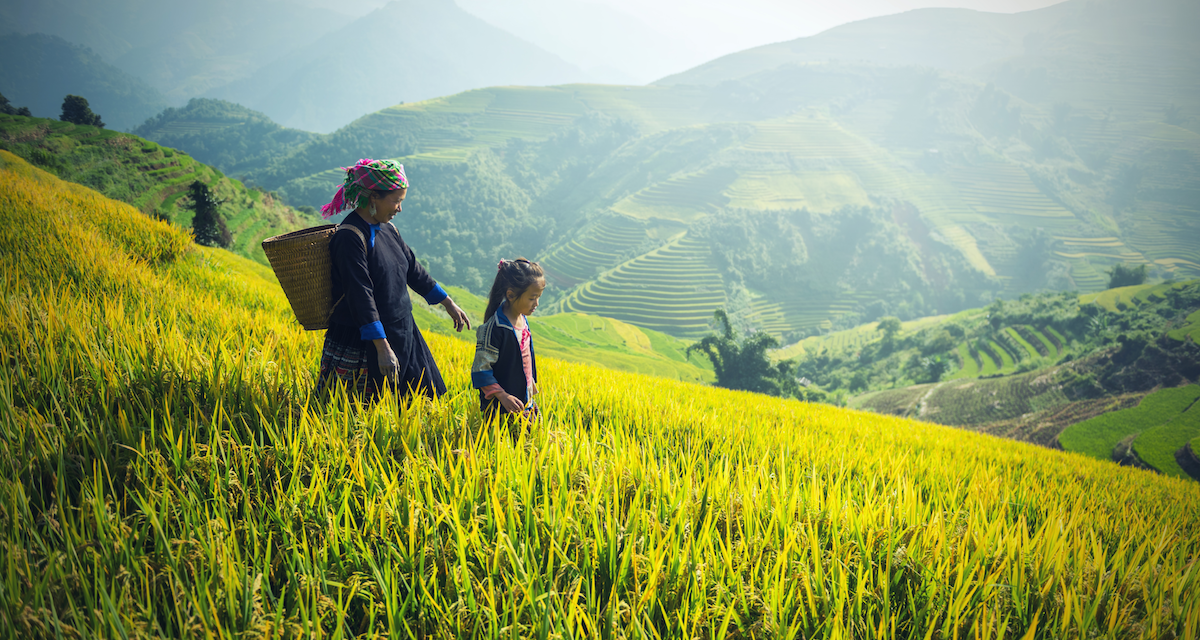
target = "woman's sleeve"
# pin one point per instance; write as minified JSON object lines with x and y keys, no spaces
{"x":418,"y":278}
{"x":349,"y":253}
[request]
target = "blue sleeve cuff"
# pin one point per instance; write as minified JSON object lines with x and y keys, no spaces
{"x":481,"y":379}
{"x":373,"y":331}
{"x":436,"y":295}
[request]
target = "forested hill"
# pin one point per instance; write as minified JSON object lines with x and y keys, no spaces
{"x":804,"y":197}
{"x":223,"y":134}
{"x":153,"y":178}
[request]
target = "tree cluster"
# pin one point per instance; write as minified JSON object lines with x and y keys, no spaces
{"x":1126,"y":275}
{"x":7,"y":108}
{"x":742,"y":362}
{"x":75,"y":110}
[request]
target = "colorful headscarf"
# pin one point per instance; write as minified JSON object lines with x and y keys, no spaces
{"x":367,"y":174}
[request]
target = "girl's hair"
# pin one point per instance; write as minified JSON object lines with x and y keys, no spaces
{"x":518,"y":275}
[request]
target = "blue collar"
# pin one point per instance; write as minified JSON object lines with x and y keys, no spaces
{"x":502,"y":318}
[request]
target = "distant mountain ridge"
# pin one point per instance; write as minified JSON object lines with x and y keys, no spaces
{"x":307,"y":68}
{"x":40,"y":70}
{"x":940,"y":38}
{"x":1135,"y":56}
{"x":180,"y":48}
{"x":407,"y":51}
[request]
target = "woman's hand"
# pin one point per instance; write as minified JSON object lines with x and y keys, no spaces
{"x":389,"y":366}
{"x":456,"y":314}
{"x":511,"y":403}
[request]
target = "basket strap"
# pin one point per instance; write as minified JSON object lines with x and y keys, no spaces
{"x":355,"y":230}
{"x":364,"y":241}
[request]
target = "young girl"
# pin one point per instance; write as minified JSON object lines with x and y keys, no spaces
{"x":505,"y":370}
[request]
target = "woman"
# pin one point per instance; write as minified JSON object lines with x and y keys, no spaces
{"x":372,"y":340}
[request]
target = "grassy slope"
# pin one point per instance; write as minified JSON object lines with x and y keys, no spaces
{"x":165,"y":472}
{"x":148,"y":176}
{"x":1159,"y":445}
{"x":1098,"y":436}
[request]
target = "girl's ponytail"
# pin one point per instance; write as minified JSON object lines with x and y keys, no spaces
{"x":518,"y":275}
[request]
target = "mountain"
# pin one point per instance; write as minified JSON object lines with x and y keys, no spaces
{"x":180,"y":49}
{"x":407,"y":51}
{"x":950,"y":39}
{"x":40,"y":70}
{"x":806,"y":197}
{"x":1135,"y":58}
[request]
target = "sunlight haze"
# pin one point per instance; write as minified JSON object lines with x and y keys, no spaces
{"x":639,"y":41}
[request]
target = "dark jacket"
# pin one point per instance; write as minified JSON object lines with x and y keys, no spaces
{"x":375,"y":282}
{"x":498,"y":361}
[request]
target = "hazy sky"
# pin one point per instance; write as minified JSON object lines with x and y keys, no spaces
{"x":733,"y":26}
{"x":676,"y":34}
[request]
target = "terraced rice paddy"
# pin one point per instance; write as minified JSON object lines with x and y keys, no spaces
{"x":685,"y":198}
{"x":818,"y":191}
{"x":673,"y":289}
{"x":1111,"y":248}
{"x":807,"y":136}
{"x":1003,"y":192}
{"x":653,"y":108}
{"x":1087,"y":277}
{"x":1165,"y":222}
{"x":597,"y":247}
{"x":1003,"y":355}
{"x":192,"y":127}
{"x":802,"y":313}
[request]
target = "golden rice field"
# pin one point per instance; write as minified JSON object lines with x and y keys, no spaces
{"x":166,"y":472}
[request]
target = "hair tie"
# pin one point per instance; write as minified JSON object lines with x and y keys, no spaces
{"x":499,"y":265}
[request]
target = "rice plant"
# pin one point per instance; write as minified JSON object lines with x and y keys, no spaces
{"x":167,"y":472}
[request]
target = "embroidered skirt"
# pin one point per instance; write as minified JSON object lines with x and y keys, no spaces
{"x":349,"y":360}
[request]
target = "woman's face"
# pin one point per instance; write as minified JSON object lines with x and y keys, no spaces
{"x":387,"y":207}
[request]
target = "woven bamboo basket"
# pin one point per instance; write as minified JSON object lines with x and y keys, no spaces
{"x":300,"y":260}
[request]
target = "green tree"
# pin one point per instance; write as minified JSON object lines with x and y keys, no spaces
{"x":743,"y":363}
{"x":1124,"y":275}
{"x":890,"y":326}
{"x":207,"y":223}
{"x":75,"y":110}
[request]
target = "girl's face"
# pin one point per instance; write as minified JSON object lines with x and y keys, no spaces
{"x":527,"y":301}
